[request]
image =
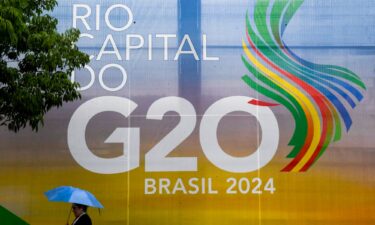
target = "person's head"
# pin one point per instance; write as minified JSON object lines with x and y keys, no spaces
{"x":78,"y":209}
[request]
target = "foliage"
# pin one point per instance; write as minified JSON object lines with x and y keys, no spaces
{"x":35,"y":63}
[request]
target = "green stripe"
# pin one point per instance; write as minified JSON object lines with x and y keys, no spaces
{"x":299,"y":137}
{"x":279,"y":58}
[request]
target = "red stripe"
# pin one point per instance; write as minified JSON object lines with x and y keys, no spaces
{"x":323,"y":108}
{"x":262,"y":103}
{"x":321,"y":144}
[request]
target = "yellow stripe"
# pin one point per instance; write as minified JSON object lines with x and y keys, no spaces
{"x":308,"y":107}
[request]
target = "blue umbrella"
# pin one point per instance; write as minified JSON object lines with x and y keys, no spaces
{"x":72,"y":195}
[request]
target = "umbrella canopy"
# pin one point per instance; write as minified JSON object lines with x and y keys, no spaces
{"x":73,"y":195}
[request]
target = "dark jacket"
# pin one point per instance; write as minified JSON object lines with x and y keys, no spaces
{"x":83,"y":220}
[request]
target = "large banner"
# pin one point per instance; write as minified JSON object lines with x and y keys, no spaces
{"x":208,"y":112}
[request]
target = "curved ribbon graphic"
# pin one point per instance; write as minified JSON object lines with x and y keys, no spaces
{"x":317,"y":96}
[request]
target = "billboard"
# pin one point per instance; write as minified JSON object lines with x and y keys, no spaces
{"x":208,"y":112}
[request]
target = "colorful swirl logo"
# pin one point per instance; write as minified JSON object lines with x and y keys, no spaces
{"x":317,"y":96}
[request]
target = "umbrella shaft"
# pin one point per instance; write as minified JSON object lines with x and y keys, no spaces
{"x":70,"y":212}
